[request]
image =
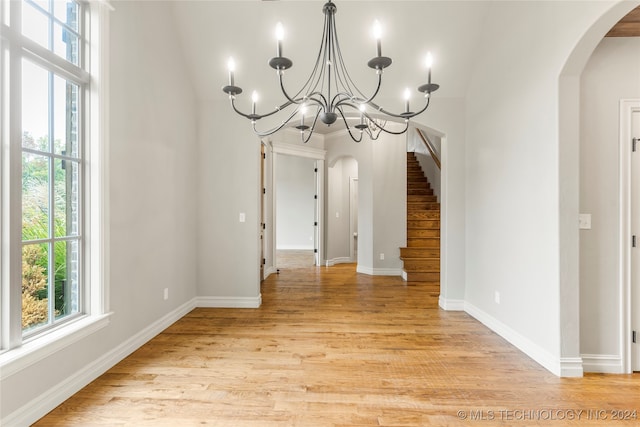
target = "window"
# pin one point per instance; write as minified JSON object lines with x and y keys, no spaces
{"x":50,"y":160}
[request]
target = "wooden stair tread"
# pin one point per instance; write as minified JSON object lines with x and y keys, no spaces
{"x":421,"y":256}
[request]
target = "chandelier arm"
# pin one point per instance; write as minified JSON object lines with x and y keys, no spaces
{"x":401,"y":115}
{"x":344,"y":119}
{"x":309,"y":83}
{"x":321,"y":102}
{"x":426,"y":105}
{"x":348,"y":81}
{"x":255,"y":117}
{"x":319,"y":65}
{"x":275,"y":129}
{"x":316,"y":75}
{"x":328,"y":51}
{"x":277,"y":110}
{"x":371,"y":134}
{"x":391,"y":132}
{"x":342,"y":98}
{"x":364,"y":100}
{"x":378,"y":125}
{"x":315,"y":120}
{"x":342,"y":75}
{"x":375,"y":93}
{"x":313,"y":126}
{"x":299,"y":101}
{"x":381,"y":127}
{"x":233,"y":105}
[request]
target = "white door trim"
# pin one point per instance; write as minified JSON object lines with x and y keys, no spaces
{"x":627,"y":107}
{"x":353,"y":215}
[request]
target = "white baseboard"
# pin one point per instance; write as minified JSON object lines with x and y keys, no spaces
{"x":451,"y":304}
{"x":379,"y":271}
{"x":269,"y":271}
{"x":40,"y":406}
{"x":571,"y":367}
{"x":229,"y":302}
{"x":339,"y":260}
{"x":524,"y":344}
{"x":294,"y":248}
{"x":603,"y":363}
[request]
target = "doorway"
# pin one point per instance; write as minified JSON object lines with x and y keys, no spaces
{"x":295,"y":200}
{"x":297,"y":194}
{"x":342,"y":208}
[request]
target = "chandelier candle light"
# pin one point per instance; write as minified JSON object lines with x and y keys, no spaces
{"x":330,"y":92}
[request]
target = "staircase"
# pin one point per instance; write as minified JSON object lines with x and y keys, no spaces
{"x":421,"y":257}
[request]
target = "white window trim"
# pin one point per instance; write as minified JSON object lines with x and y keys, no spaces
{"x":15,"y":358}
{"x":45,"y":345}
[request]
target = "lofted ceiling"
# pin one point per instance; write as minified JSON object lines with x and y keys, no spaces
{"x":629,"y":26}
{"x":212,"y":31}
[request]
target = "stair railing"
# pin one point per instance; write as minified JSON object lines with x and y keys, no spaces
{"x":432,"y":149}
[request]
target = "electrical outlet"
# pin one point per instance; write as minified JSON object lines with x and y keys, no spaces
{"x":242,"y":217}
{"x":166,"y":293}
{"x":496,"y":297}
{"x":381,"y":257}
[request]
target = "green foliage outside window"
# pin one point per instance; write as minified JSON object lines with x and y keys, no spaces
{"x":35,"y":225}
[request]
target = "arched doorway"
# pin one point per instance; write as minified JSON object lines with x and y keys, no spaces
{"x":569,"y":190}
{"x":342,"y":210}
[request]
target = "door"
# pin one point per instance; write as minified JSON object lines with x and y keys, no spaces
{"x":635,"y":231}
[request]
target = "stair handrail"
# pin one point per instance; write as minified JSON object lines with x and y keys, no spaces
{"x":432,"y":150}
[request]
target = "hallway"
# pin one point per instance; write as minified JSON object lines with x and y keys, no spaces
{"x":330,"y":347}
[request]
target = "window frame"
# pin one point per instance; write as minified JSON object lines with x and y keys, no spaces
{"x":17,"y":348}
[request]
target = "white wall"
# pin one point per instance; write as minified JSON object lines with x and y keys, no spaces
{"x":152,"y":205}
{"x":295,"y":204}
{"x":228,"y":168}
{"x":612,"y":74}
{"x":513,"y":174}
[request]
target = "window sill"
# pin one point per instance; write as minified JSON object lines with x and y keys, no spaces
{"x":19,"y":358}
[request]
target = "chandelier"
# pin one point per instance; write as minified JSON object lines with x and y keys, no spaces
{"x":329,"y":93}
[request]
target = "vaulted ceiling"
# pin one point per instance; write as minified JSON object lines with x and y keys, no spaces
{"x":212,"y":31}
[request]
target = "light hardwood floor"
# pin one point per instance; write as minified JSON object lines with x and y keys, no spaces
{"x":294,"y":258}
{"x":330,"y":347}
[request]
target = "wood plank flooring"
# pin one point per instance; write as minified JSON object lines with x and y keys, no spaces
{"x":330,"y":347}
{"x":294,"y":258}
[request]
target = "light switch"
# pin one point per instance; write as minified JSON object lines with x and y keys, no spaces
{"x":242,"y":217}
{"x":585,"y":222}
